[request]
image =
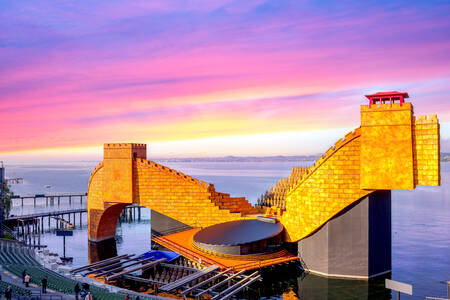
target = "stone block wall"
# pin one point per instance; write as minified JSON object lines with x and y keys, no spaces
{"x":166,"y":191}
{"x":426,"y":150}
{"x":178,"y":196}
{"x":326,"y":188}
{"x":387,"y":147}
{"x":233,"y":204}
{"x":392,"y":150}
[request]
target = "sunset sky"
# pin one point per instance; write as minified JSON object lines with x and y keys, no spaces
{"x":211,"y":78}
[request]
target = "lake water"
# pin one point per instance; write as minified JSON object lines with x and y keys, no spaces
{"x":420,"y":225}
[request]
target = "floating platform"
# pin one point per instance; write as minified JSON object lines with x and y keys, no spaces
{"x":242,"y":237}
{"x":183,"y":243}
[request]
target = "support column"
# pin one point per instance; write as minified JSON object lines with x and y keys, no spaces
{"x":355,"y":243}
{"x":39,"y":234}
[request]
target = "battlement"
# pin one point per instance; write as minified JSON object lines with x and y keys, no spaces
{"x":386,"y":107}
{"x":124,"y":151}
{"x":124,"y":145}
{"x":431,"y":119}
{"x":173,"y":172}
{"x":323,"y":158}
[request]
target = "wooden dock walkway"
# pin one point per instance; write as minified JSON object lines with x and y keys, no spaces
{"x":47,"y":214}
{"x":50,"y":198}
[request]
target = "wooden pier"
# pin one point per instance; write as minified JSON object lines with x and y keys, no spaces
{"x":69,"y":215}
{"x":29,"y":227}
{"x":50,"y":198}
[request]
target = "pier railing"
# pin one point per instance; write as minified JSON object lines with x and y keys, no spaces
{"x":50,"y":198}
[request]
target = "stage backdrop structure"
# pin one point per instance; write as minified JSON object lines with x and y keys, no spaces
{"x":337,"y":214}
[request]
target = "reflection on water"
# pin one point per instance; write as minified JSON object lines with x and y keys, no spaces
{"x":316,"y":287}
{"x":285,"y":282}
{"x":420,"y":228}
{"x":102,"y":250}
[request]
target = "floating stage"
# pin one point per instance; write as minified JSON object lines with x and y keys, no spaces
{"x":230,"y":245}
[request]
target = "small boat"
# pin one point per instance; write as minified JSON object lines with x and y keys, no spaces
{"x":47,"y":186}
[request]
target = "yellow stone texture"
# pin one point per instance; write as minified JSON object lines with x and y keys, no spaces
{"x":386,"y":147}
{"x":126,"y":177}
{"x":426,"y":151}
{"x":118,"y":171}
{"x":391,"y":150}
{"x":329,"y":186}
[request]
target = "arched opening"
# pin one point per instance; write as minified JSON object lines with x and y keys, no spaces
{"x":102,"y":223}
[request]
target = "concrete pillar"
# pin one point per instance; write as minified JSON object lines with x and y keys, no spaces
{"x":356,"y":243}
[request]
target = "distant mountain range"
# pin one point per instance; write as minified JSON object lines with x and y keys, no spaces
{"x":278,"y":158}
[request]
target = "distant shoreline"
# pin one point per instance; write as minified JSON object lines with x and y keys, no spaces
{"x":445,"y":157}
{"x":278,"y":158}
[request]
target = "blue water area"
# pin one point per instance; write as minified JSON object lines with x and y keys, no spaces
{"x":420,"y":225}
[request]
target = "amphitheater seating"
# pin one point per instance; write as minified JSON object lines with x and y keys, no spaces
{"x":16,"y":290}
{"x":15,"y":258}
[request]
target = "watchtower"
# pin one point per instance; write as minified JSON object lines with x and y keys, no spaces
{"x":387,"y":142}
{"x":118,"y":171}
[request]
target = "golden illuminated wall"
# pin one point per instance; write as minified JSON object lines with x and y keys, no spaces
{"x":386,"y":147}
{"x":181,"y":197}
{"x":118,"y":171}
{"x":329,"y":186}
{"x":426,"y":150}
{"x":125,"y":177}
{"x":392,"y":150}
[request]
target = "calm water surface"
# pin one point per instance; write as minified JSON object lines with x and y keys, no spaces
{"x":420,"y":226}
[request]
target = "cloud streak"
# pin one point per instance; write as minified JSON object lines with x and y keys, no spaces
{"x":75,"y":74}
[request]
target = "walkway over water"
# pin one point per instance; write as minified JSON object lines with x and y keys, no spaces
{"x":47,"y":214}
{"x":50,"y":197}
